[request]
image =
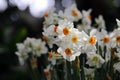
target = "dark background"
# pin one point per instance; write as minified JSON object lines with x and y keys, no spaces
{"x":16,"y":25}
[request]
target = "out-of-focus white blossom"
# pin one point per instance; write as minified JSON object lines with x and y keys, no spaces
{"x":51,"y":17}
{"x":100,"y":22}
{"x":37,"y":8}
{"x":22,"y":53}
{"x":94,"y":60}
{"x":67,"y":3}
{"x":30,"y":46}
{"x":3,"y":5}
{"x":116,"y":66}
{"x":36,"y":45}
{"x":71,"y":13}
{"x":89,"y":73}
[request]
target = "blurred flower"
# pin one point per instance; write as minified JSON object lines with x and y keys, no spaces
{"x":36,"y":45}
{"x":37,"y":8}
{"x":118,"y":22}
{"x":71,"y":13}
{"x":116,"y":66}
{"x":89,"y":73}
{"x":47,"y":72}
{"x":22,"y":53}
{"x":94,"y":60}
{"x":100,"y":22}
{"x":67,"y":3}
{"x":31,"y":46}
{"x":3,"y":5}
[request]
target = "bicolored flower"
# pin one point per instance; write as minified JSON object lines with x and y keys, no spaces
{"x":71,"y":13}
{"x":115,"y":38}
{"x":64,"y":27}
{"x":53,"y":56}
{"x":90,"y":42}
{"x":68,"y":53}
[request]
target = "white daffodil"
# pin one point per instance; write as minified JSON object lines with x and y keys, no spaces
{"x":36,"y":45}
{"x":74,"y":39}
{"x":103,"y":38}
{"x":86,"y":21}
{"x":116,"y":66}
{"x":115,"y":38}
{"x":50,"y":31}
{"x":90,"y":42}
{"x":68,"y":53}
{"x":118,"y":22}
{"x":22,"y":53}
{"x":50,"y":35}
{"x":89,"y":73}
{"x":87,"y":16}
{"x":95,"y":60}
{"x":104,"y":42}
{"x":53,"y":56}
{"x":51,"y":18}
{"x":100,"y":22}
{"x":64,"y":27}
{"x":73,"y":12}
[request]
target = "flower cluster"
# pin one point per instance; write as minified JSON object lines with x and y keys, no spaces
{"x":82,"y":48}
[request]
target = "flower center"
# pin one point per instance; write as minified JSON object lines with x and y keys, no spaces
{"x":89,"y":17}
{"x":55,"y":29}
{"x":47,"y":73}
{"x":95,"y":58}
{"x":88,"y":75}
{"x":66,"y":31}
{"x":74,"y":13}
{"x":50,"y":55}
{"x":74,"y":39}
{"x":57,"y":53}
{"x":118,"y":39}
{"x":92,"y":40}
{"x":68,"y":51}
{"x":46,"y":14}
{"x":44,"y":38}
{"x":39,"y":47}
{"x":106,"y":39}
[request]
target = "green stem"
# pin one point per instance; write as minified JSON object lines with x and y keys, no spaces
{"x":34,"y":69}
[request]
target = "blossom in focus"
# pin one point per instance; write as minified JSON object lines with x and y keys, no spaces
{"x":115,"y":38}
{"x":50,"y":35}
{"x":90,"y":42}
